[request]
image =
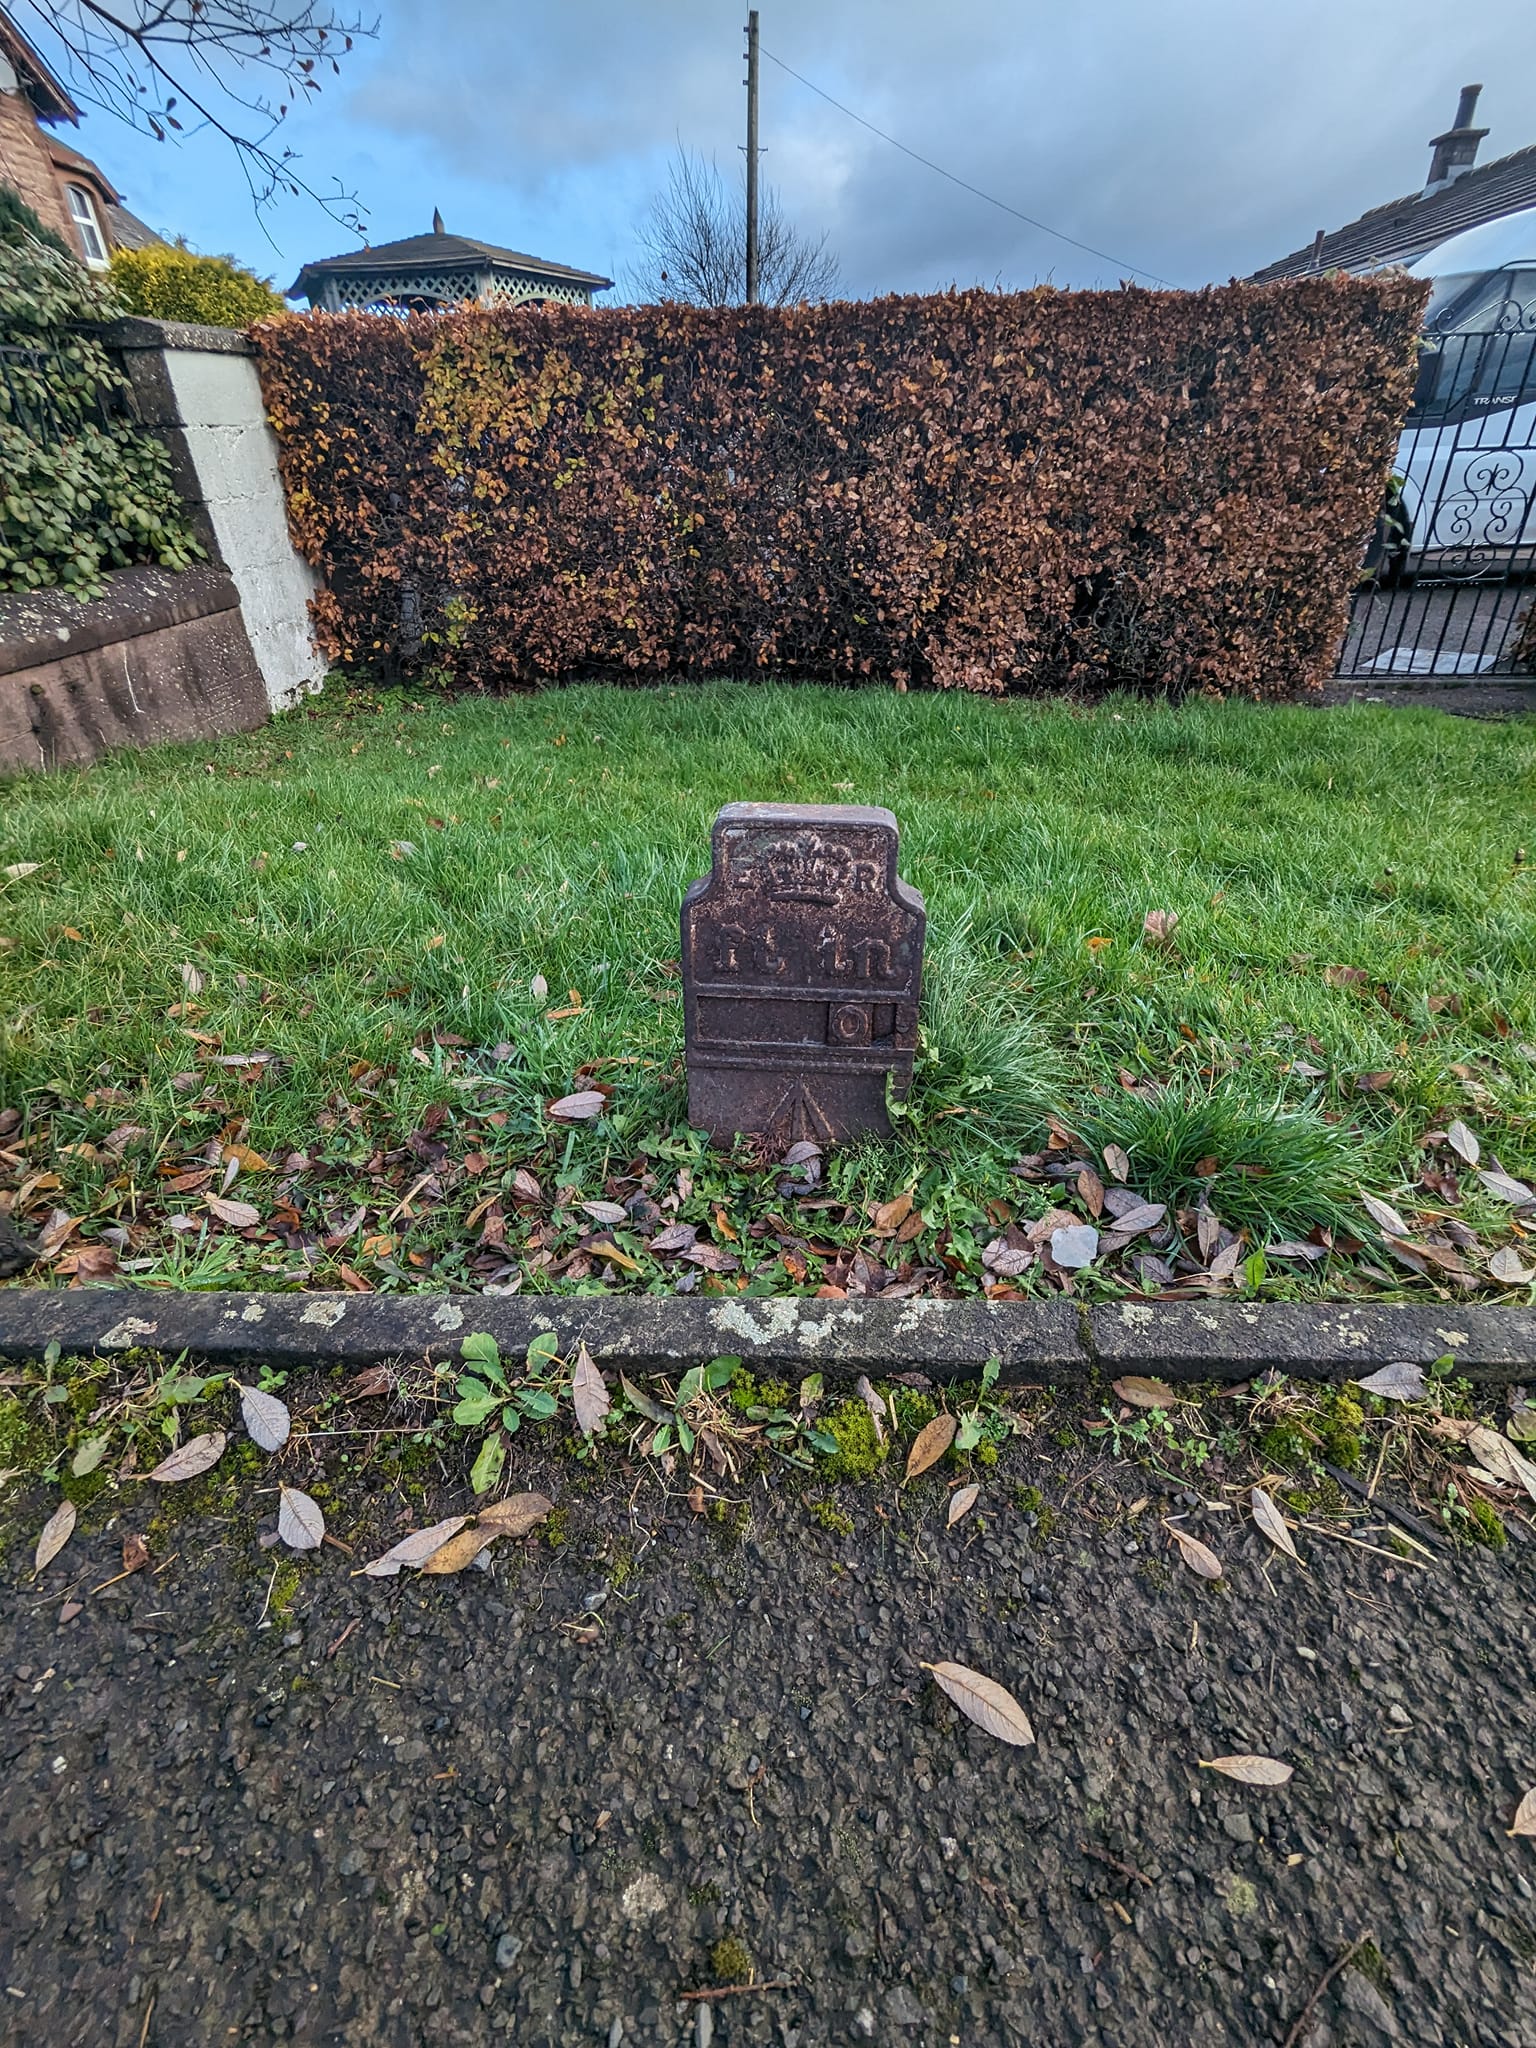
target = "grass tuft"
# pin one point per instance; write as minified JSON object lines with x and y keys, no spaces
{"x":1273,"y":1168}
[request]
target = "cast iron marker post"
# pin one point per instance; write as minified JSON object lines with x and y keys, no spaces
{"x":802,"y":955}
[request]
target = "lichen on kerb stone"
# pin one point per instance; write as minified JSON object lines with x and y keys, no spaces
{"x":448,"y":1317}
{"x":324,"y":1314}
{"x":1452,"y":1337}
{"x":1134,"y":1315}
{"x":915,"y":1314}
{"x":253,"y":1312}
{"x":782,"y":1319}
{"x":124,"y":1335}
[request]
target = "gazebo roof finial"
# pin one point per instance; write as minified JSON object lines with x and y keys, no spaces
{"x":437,"y":222}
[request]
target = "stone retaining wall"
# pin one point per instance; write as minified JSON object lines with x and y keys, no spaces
{"x":161,"y":657}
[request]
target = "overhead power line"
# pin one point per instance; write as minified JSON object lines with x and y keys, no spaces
{"x":964,"y":183}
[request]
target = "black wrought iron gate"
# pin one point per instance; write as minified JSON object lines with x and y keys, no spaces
{"x":1450,"y":587}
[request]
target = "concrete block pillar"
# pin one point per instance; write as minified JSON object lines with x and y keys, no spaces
{"x":198,"y":389}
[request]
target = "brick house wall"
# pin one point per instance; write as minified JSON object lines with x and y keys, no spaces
{"x":27,"y":167}
{"x":57,"y":182}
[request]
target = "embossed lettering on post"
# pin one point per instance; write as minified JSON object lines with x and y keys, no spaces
{"x":802,"y":969}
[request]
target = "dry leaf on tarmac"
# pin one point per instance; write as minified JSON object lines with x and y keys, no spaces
{"x":961,"y":1503}
{"x":1250,"y":1770}
{"x":517,"y":1514}
{"x":1499,"y":1456}
{"x":135,"y":1553}
{"x":1508,"y":1266}
{"x":1142,"y":1393}
{"x":932,"y":1441}
{"x":413,"y":1550}
{"x":1524,"y":1822}
{"x":1383,"y":1215}
{"x":1269,"y":1518}
{"x":589,"y":1392}
{"x":57,"y":1530}
{"x":266,"y":1418}
{"x":1401,"y":1382}
{"x":1462,"y":1142}
{"x":1195,"y":1554}
{"x":300,"y":1522}
{"x":199,"y":1454}
{"x":577,"y":1108}
{"x":641,"y":1402}
{"x":990,"y":1705}
{"x":238,"y":1215}
{"x":460,"y":1550}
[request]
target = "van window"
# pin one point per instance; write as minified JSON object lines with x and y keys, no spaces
{"x":1497,"y":302}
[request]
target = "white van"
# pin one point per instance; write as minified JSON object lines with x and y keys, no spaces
{"x":1466,"y":461}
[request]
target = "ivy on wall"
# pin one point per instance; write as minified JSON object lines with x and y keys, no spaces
{"x":83,"y":488}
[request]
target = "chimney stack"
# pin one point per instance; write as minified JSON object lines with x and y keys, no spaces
{"x":1456,"y":150}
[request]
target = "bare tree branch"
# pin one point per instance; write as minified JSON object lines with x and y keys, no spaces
{"x":693,"y":244}
{"x":235,"y":66}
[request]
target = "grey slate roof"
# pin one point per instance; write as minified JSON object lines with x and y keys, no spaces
{"x":435,"y":251}
{"x":1406,"y":229}
{"x":127,"y":231}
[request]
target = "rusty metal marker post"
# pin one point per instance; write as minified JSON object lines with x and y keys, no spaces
{"x":802,"y":968}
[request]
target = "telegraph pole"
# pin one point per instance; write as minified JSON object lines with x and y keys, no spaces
{"x":751,"y":84}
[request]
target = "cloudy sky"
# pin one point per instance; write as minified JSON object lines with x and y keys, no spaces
{"x":1191,"y":139}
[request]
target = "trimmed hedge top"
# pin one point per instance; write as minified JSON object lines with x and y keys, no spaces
{"x":1161,"y":490}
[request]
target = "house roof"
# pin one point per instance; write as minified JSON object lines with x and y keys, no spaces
{"x":1406,"y":229}
{"x":67,"y":159}
{"x":434,"y":251}
{"x":127,"y":231}
{"x":50,"y":102}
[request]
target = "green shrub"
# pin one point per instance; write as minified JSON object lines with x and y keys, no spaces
{"x":165,"y":283}
{"x":83,"y":488}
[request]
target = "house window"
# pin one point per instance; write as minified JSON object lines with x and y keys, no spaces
{"x":82,"y":212}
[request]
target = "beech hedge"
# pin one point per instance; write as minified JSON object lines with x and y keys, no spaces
{"x":1042,"y":490}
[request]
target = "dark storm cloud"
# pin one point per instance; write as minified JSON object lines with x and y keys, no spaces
{"x":1195,"y":139}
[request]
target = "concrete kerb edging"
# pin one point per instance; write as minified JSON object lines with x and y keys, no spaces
{"x":1056,"y":1342}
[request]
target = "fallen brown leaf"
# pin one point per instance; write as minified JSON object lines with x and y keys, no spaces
{"x":931,"y":1442}
{"x":981,"y":1699}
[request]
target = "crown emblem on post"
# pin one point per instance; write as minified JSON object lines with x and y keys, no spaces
{"x":806,"y":869}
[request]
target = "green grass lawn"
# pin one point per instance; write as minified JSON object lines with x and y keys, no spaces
{"x":366,"y":891}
